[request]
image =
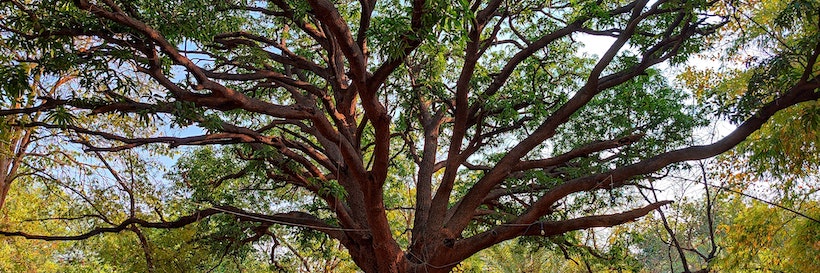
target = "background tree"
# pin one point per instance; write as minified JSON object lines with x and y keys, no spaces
{"x":53,"y":187}
{"x":415,"y":134}
{"x":766,"y":185}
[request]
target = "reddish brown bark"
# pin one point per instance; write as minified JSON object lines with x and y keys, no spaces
{"x":342,"y":131}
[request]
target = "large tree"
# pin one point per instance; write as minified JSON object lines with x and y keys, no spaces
{"x":483,"y":112}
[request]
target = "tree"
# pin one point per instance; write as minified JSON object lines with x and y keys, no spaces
{"x":337,"y":107}
{"x":729,"y":228}
{"x":776,"y":165}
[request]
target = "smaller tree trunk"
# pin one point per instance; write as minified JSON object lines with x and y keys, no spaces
{"x":4,"y":190}
{"x":5,"y":180}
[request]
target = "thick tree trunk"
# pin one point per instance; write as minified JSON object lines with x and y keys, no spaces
{"x":399,"y":264}
{"x":431,"y":255}
{"x":370,"y":260}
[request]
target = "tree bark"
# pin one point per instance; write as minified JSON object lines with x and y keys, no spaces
{"x":4,"y":191}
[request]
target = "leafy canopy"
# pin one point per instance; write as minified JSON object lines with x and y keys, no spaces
{"x":413,"y":134}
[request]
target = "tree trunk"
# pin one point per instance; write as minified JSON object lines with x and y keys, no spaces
{"x":11,"y":155}
{"x":371,"y":261}
{"x":4,"y":190}
{"x":383,"y":262}
{"x":5,"y":181}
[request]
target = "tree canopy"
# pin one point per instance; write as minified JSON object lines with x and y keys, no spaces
{"x":409,"y":135}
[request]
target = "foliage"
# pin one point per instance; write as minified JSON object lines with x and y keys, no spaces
{"x":769,"y":52}
{"x":762,"y":238}
{"x":392,"y":136}
{"x":25,"y":255}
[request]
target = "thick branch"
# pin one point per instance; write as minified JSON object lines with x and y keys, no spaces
{"x":467,"y":247}
{"x":299,"y":219}
{"x":548,"y":128}
{"x":616,"y":177}
{"x":579,"y":152}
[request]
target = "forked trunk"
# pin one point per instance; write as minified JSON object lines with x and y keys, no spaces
{"x":436,"y":258}
{"x":371,"y":261}
{"x":385,"y":263}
